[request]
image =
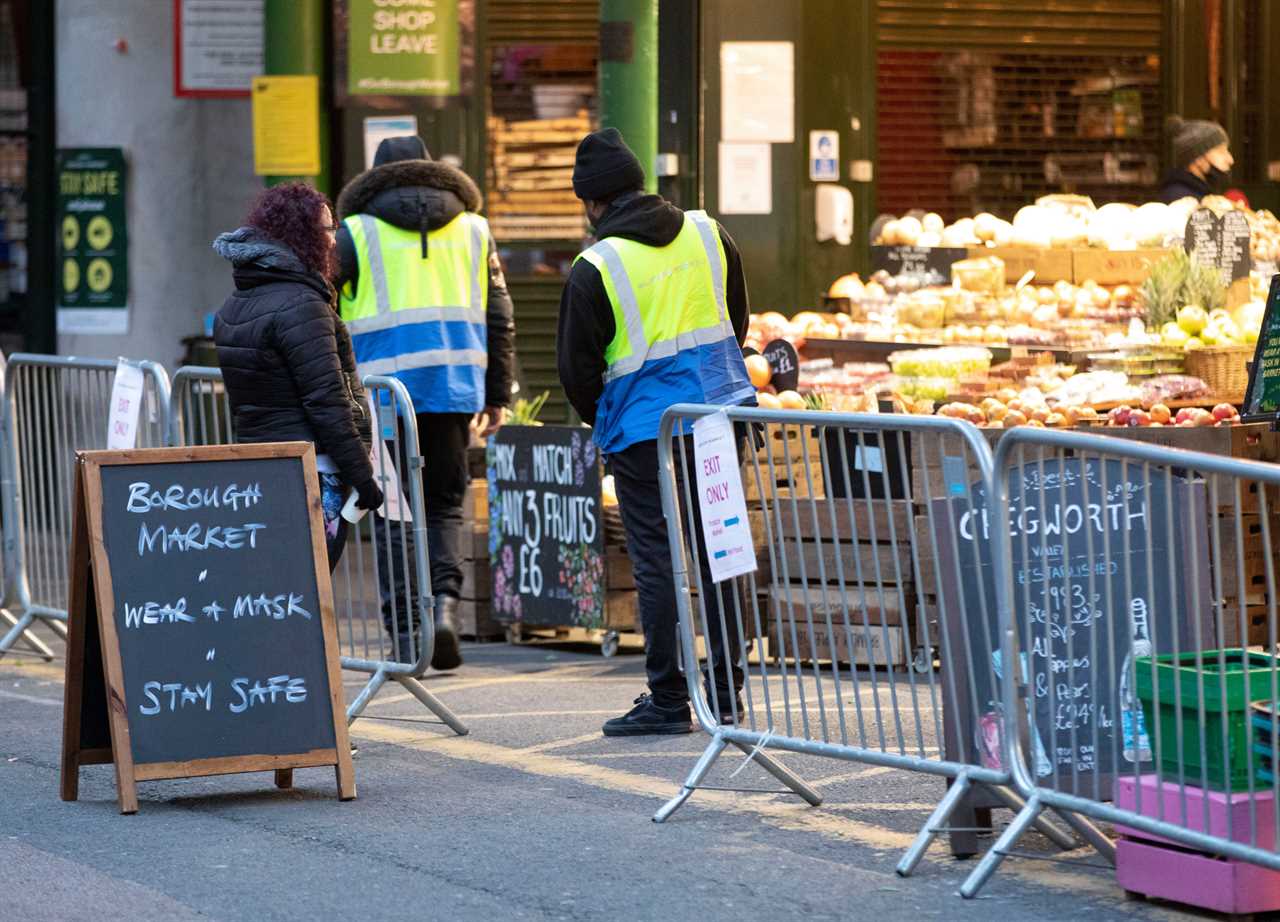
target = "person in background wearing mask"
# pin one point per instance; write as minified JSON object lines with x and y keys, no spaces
{"x":1201,"y":160}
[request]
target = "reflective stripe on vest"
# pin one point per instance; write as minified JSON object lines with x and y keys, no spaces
{"x":641,"y":350}
{"x":386,"y":315}
{"x":673,"y":341}
{"x":422,"y":320}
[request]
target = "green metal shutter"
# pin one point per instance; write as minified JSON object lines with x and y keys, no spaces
{"x":985,"y":105}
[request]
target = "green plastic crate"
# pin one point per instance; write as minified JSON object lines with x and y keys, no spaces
{"x":1227,"y":694}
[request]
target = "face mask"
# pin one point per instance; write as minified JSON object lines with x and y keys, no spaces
{"x":1216,"y":179}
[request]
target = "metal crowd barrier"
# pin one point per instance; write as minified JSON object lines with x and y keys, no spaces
{"x":385,"y":555}
{"x":1139,"y":585}
{"x":859,"y":592}
{"x":55,"y":406}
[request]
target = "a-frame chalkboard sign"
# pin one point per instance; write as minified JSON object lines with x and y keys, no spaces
{"x":201,"y":636}
{"x":1262,"y":396}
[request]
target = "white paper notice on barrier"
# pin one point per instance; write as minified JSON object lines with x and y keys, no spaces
{"x":126,"y":406}
{"x":394,"y":506}
{"x":721,"y":499}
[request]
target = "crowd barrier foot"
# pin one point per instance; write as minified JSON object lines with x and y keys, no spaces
{"x":20,"y":630}
{"x":755,"y":753}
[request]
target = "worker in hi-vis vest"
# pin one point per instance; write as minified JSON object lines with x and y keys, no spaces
{"x":421,"y":290}
{"x":652,"y":315}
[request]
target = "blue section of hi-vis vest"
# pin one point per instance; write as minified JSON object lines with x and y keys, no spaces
{"x":631,"y":407}
{"x":433,"y":387}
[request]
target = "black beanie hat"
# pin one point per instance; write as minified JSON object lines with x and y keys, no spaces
{"x":1192,"y":139}
{"x":605,"y":166}
{"x":393,"y":150}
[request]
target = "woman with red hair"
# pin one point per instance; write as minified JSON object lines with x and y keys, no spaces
{"x":286,"y":358}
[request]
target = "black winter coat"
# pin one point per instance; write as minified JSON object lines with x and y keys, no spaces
{"x":286,"y":357}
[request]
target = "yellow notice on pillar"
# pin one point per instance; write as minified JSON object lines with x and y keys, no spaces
{"x":286,"y":126}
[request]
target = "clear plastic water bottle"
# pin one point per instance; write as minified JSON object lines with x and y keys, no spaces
{"x":1133,"y":725}
{"x":1042,"y":764}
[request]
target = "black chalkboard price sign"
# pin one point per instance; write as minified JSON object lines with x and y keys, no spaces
{"x":201,"y":636}
{"x":1221,"y":242}
{"x":1093,"y":543}
{"x":1262,"y":396}
{"x":784,"y":365}
{"x":546,"y":529}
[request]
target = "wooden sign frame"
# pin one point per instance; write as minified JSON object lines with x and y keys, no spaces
{"x":95,"y":726}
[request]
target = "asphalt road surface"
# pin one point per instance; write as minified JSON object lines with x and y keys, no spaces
{"x":533,"y":815}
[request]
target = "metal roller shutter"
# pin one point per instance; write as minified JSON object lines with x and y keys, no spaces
{"x":985,"y":105}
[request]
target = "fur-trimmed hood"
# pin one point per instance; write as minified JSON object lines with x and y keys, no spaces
{"x":407,"y":192}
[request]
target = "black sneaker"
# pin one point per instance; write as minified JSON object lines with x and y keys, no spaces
{"x":649,"y":718}
{"x":726,"y":710}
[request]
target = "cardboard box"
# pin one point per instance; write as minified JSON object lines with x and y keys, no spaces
{"x":1051,"y":264}
{"x":1113,"y":267}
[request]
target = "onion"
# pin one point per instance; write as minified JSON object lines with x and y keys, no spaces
{"x":985,"y":226}
{"x":909,"y":231}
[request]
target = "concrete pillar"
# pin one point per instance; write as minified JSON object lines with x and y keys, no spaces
{"x":629,"y":77}
{"x":190,"y":168}
{"x":295,"y":45}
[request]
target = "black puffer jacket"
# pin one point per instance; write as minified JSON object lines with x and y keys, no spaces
{"x":286,"y":357}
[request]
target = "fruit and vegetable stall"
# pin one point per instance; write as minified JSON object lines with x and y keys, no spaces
{"x":1068,"y":315}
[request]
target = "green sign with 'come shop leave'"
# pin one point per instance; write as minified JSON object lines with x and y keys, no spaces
{"x":403,"y":48}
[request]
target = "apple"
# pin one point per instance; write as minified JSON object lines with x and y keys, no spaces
{"x":1040,"y":414}
{"x":1192,"y":318}
{"x":1119,"y":416}
{"x":1205,"y":418}
{"x":1055,"y":420}
{"x":1014,"y":418}
{"x":1160,"y":413}
{"x":1224,"y":411}
{"x":1139,"y":418}
{"x":1184,"y":415}
{"x":1173,"y":335}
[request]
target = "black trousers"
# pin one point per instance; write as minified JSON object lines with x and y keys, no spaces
{"x":442,"y":441}
{"x":635,"y":474}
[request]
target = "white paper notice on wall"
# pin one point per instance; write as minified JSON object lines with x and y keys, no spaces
{"x":746,"y":179}
{"x":757,"y":91}
{"x":721,"y":500}
{"x":126,"y":406}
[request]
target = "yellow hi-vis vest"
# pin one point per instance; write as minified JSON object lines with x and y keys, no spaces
{"x":422,"y":320}
{"x":673,"y":340}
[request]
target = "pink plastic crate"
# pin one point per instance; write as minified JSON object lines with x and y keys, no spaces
{"x":1221,"y":806}
{"x":1235,"y":887}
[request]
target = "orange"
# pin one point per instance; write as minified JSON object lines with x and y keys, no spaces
{"x":790,"y":400}
{"x":758,"y":370}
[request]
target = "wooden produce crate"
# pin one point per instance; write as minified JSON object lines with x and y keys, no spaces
{"x":1114,"y":267}
{"x":777,"y":468}
{"x":530,"y":178}
{"x":474,"y":619}
{"x":872,"y":636}
{"x":1050,"y":264}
